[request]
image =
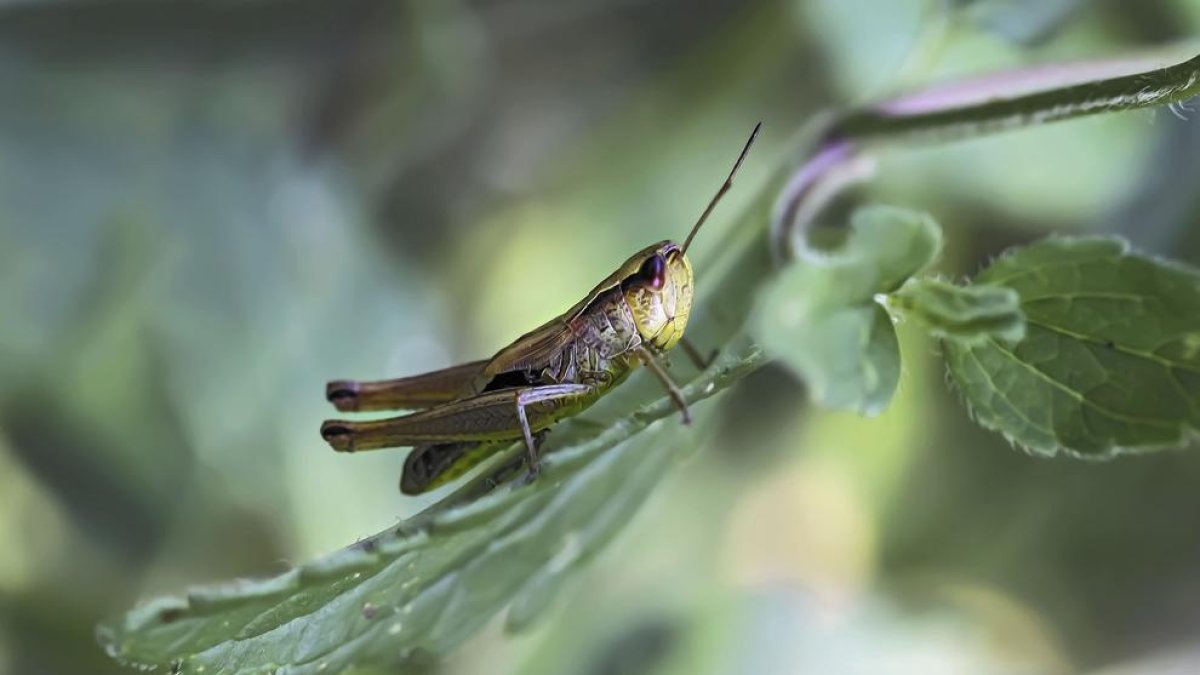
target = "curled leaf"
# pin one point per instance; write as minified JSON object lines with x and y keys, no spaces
{"x":820,"y":316}
{"x":964,"y":313}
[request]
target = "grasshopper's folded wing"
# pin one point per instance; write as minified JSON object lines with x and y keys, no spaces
{"x":533,"y":351}
{"x":539,"y":348}
{"x":405,"y":393}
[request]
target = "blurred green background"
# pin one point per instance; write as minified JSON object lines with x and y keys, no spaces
{"x":209,"y":208}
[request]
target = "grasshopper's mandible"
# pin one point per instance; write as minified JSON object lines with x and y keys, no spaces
{"x":465,"y":413}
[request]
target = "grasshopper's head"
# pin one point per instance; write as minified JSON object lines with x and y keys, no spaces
{"x":657,"y":281}
{"x":657,"y":285}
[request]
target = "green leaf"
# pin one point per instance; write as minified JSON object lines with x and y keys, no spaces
{"x":1111,"y":358}
{"x":891,"y":244}
{"x":820,"y":316}
{"x":424,"y":586}
{"x":849,"y":358}
{"x":417,"y":590}
{"x":964,"y":313}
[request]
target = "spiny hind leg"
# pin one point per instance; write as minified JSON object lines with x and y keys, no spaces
{"x":492,"y":416}
{"x":552,"y":396}
{"x":533,"y":459}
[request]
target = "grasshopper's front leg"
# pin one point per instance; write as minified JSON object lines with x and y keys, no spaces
{"x":502,"y":415}
{"x":699,"y":360}
{"x":655,"y":367}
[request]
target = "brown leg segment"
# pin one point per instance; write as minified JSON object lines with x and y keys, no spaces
{"x":695,"y":356}
{"x":647,"y":358}
{"x":414,"y":393}
{"x":492,"y":416}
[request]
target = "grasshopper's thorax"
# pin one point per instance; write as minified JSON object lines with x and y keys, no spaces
{"x":659,"y":293}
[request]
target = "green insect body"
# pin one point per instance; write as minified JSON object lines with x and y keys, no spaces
{"x":466,"y":413}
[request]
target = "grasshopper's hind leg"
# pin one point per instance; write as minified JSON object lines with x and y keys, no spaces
{"x":415,"y":392}
{"x":533,"y":454}
{"x":533,"y":441}
{"x":501,"y":415}
{"x":445,"y":432}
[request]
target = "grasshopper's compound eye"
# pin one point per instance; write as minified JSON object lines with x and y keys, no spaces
{"x":654,"y":271}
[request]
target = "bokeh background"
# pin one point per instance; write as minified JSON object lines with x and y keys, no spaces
{"x":209,"y":208}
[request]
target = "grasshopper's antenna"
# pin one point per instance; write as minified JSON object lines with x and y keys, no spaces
{"x":724,"y":188}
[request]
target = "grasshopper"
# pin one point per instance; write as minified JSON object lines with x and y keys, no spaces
{"x":466,"y":413}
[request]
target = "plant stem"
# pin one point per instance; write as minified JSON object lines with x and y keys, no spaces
{"x":1164,"y":86}
{"x":964,"y":110}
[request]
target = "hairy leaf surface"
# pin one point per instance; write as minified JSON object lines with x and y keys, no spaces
{"x":965,"y":313}
{"x":1110,"y":361}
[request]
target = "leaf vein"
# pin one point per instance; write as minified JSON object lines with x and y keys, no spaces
{"x":1000,"y":393}
{"x":1098,"y":295}
{"x":1149,"y":356}
{"x":1040,"y":374}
